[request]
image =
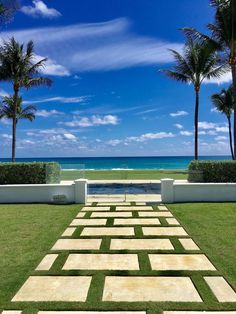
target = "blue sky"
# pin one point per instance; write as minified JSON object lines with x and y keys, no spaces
{"x":108,"y":97}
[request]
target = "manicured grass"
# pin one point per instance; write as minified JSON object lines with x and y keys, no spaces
{"x":124,"y":174}
{"x":213,"y":227}
{"x":27,"y":233}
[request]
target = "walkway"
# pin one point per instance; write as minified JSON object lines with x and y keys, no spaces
{"x":125,"y":259}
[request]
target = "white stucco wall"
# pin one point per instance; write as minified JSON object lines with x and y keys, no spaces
{"x":177,"y":191}
{"x":75,"y":192}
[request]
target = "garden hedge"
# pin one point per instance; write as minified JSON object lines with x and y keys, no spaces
{"x":212,"y":171}
{"x":29,"y":173}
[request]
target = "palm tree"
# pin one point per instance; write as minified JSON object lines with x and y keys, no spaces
{"x":197,"y":63}
{"x":7,"y":111}
{"x":7,"y":10}
{"x":222,"y":37}
{"x":224,"y":103}
{"x":19,"y":67}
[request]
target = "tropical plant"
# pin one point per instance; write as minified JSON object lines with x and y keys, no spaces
{"x":224,"y":103}
{"x":20,"y":67}
{"x":7,"y":10}
{"x":223,"y":38}
{"x":7,"y":111}
{"x":197,"y":63}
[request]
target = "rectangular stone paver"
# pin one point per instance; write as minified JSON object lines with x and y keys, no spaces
{"x":221,"y":289}
{"x":91,"y":312}
{"x":108,"y":231}
{"x":172,"y":221}
{"x":96,"y":209}
{"x":102,"y":262}
{"x":77,"y":244}
{"x":11,"y":312}
{"x":162,"y":207}
{"x":141,"y":244}
{"x":89,"y":222}
{"x":164,"y":231}
{"x":54,"y":288}
{"x":189,"y":244}
{"x":180,"y":262}
{"x":137,"y":221}
{"x":114,"y":204}
{"x":134,"y":208}
{"x":68,"y":232}
{"x":80,"y":215}
{"x":155,"y":214}
{"x":47,"y":262}
{"x":111,"y":214}
{"x":156,"y":289}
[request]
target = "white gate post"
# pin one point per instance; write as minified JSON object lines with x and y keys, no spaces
{"x":167,"y":190}
{"x":81,"y":191}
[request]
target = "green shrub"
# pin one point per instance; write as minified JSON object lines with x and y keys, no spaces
{"x":212,"y":171}
{"x":29,"y":173}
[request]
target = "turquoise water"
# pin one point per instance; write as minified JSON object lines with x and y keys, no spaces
{"x":116,"y":163}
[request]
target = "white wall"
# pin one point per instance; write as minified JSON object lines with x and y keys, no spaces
{"x":75,"y":192}
{"x":177,"y":191}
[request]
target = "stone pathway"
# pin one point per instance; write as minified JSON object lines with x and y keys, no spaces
{"x":121,"y":255}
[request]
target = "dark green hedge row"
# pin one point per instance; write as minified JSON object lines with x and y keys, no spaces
{"x":29,"y":173}
{"x":212,"y":171}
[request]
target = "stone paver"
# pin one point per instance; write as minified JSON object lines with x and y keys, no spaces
{"x":102,"y":261}
{"x":77,"y":244}
{"x":164,"y":231}
{"x":155,"y":214}
{"x":68,"y":232}
{"x":108,"y":231}
{"x":142,"y":289}
{"x":172,"y":221}
{"x":134,"y":208}
{"x":47,"y":262}
{"x":95,"y":209}
{"x":180,"y":262}
{"x":137,"y":221}
{"x":111,"y":214}
{"x":11,"y":312}
{"x":221,"y":289}
{"x":141,"y":244}
{"x":89,"y":222}
{"x":114,"y":204}
{"x":162,"y":207}
{"x":189,"y":244}
{"x":80,"y":215}
{"x":54,"y":288}
{"x":91,"y":312}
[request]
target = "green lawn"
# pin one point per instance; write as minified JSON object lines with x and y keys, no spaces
{"x":124,"y":174}
{"x":29,"y":231}
{"x":213,"y":227}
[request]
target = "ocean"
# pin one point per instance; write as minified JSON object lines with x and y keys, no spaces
{"x":118,"y":163}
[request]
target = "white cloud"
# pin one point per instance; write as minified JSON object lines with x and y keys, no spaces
{"x":95,"y":120}
{"x":186,"y":133}
{"x":51,"y":67}
{"x":225,"y":78}
{"x":221,"y":138}
{"x":3,"y":93}
{"x":48,"y":113}
{"x":6,"y":136}
{"x":97,"y":46}
{"x":213,"y":128}
{"x":214,"y":110}
{"x":114,"y":142}
{"x":70,"y":136}
{"x":178,"y":126}
{"x":179,"y":113}
{"x":64,"y":100}
{"x":40,"y":9}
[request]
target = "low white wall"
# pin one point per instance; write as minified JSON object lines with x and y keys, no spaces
{"x":177,"y":191}
{"x":75,"y":192}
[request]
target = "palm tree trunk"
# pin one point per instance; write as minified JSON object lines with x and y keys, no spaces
{"x":196,"y":123}
{"x":233,"y":70}
{"x":14,"y":125}
{"x":230,"y":138}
